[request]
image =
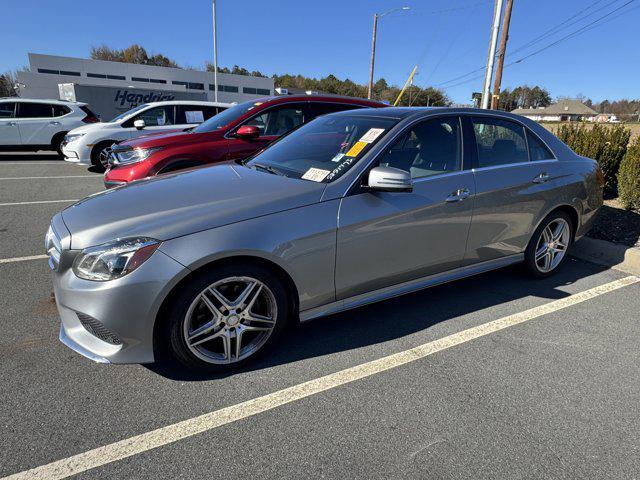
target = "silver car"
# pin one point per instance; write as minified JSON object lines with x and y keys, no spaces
{"x":210,"y":265}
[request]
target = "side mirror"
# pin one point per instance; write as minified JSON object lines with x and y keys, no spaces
{"x":389,"y":179}
{"x":139,"y":124}
{"x":248,"y":132}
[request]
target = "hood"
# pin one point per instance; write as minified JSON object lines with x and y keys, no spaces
{"x":89,"y":127}
{"x":184,"y":202}
{"x":172,"y":137}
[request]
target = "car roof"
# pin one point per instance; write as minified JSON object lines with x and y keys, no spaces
{"x":191,"y":102}
{"x":407,"y":112}
{"x":275,"y":99}
{"x":42,"y":100}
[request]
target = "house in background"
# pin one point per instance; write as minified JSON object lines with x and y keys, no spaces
{"x":562,"y":111}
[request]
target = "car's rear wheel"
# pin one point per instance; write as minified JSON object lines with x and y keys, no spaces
{"x":100,"y":155}
{"x":227,"y":317}
{"x":548,"y":247}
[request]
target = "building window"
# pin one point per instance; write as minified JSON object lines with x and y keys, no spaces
{"x":224,"y":88}
{"x":46,"y":70}
{"x":157,"y":80}
{"x":250,"y":90}
{"x":73,"y":74}
{"x":116,"y":77}
{"x":176,"y":82}
{"x":195,"y":86}
{"x":263,"y":91}
{"x":96,"y":75}
{"x":139,"y":79}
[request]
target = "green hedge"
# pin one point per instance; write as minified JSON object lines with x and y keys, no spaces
{"x":629,"y":177}
{"x":605,"y":144}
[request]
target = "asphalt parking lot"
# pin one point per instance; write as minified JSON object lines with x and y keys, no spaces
{"x":497,"y":376}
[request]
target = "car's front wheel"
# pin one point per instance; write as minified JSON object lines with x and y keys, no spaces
{"x":227,"y":317}
{"x":549,"y":244}
{"x":100,"y":155}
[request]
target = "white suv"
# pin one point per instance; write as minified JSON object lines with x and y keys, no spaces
{"x":32,"y":125}
{"x":91,"y":144}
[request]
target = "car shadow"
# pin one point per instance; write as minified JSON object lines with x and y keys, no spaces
{"x":29,"y":157}
{"x":401,"y":316}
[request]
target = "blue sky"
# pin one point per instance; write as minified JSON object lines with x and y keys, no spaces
{"x":446,"y":38}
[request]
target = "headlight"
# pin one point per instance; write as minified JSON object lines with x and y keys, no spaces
{"x":73,"y":137}
{"x":114,"y":259}
{"x":135,"y":155}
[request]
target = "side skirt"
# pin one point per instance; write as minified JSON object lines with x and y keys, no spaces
{"x":408,"y":287}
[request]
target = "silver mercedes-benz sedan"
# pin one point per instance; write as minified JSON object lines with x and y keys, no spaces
{"x":210,"y":265}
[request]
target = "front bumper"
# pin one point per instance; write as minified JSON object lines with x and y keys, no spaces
{"x":75,"y":153}
{"x":125,"y":308}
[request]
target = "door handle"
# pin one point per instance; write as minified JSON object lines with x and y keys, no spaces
{"x":458,"y":195}
{"x":543,"y":177}
{"x":55,"y":123}
{"x":11,"y":124}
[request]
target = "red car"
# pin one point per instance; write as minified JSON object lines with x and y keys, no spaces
{"x":235,"y":133}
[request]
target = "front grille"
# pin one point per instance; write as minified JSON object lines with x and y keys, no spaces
{"x":95,"y":328}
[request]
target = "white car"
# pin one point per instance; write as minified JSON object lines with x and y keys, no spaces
{"x":91,"y":144}
{"x":33,"y":124}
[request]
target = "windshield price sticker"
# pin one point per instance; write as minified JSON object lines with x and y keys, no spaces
{"x":315,"y":174}
{"x":355,"y":150}
{"x":371,"y":135}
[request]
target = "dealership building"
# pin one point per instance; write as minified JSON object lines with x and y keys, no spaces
{"x":53,"y":77}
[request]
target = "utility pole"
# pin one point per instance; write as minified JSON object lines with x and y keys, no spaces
{"x":215,"y":54}
{"x":373,"y":55}
{"x":497,"y":13}
{"x":504,"y":37}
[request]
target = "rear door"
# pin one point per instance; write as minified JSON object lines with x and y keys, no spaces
{"x":36,"y":123}
{"x":9,"y":132}
{"x":272,"y":123}
{"x":516,"y":178}
{"x":387,"y":238}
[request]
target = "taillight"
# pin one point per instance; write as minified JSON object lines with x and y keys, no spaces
{"x":91,"y":117}
{"x":599,"y":177}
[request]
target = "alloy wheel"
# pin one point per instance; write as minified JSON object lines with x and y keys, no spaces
{"x":230,"y":320}
{"x":552,"y":245}
{"x":103,"y":157}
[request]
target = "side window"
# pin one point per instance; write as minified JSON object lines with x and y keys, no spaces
{"x":7,"y":109}
{"x":429,"y":148}
{"x":190,"y":114}
{"x":60,"y":110}
{"x":537,"y":149}
{"x":279,"y":120}
{"x":500,"y":142}
{"x":318,"y":108}
{"x":34,"y":110}
{"x":157,"y":116}
{"x":211,"y":111}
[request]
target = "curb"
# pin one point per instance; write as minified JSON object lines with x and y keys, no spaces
{"x":620,"y":257}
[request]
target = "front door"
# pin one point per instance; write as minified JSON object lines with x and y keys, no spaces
{"x":9,"y":132}
{"x":272,"y":123}
{"x":388,"y":238}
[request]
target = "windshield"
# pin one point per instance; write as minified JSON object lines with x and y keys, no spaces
{"x":324,"y":149}
{"x":128,"y":112}
{"x":227,"y":116}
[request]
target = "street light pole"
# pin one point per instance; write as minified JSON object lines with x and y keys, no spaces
{"x":373,"y":45}
{"x":497,"y":13}
{"x":215,"y":53}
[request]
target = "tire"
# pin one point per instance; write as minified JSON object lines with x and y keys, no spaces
{"x":197,"y":307}
{"x":56,"y":143}
{"x":100,"y":153}
{"x":549,"y":244}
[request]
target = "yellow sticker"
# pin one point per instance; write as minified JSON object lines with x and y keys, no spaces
{"x":355,"y":150}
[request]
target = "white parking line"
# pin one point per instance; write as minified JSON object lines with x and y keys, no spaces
{"x":128,"y":447}
{"x":26,"y":162}
{"x":41,"y":201}
{"x":22,"y":259}
{"x":50,"y":177}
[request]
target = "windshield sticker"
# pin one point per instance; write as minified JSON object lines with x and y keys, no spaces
{"x":340,"y":168}
{"x":338,"y":157}
{"x":371,"y":135}
{"x":356,"y":149}
{"x":315,"y":174}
